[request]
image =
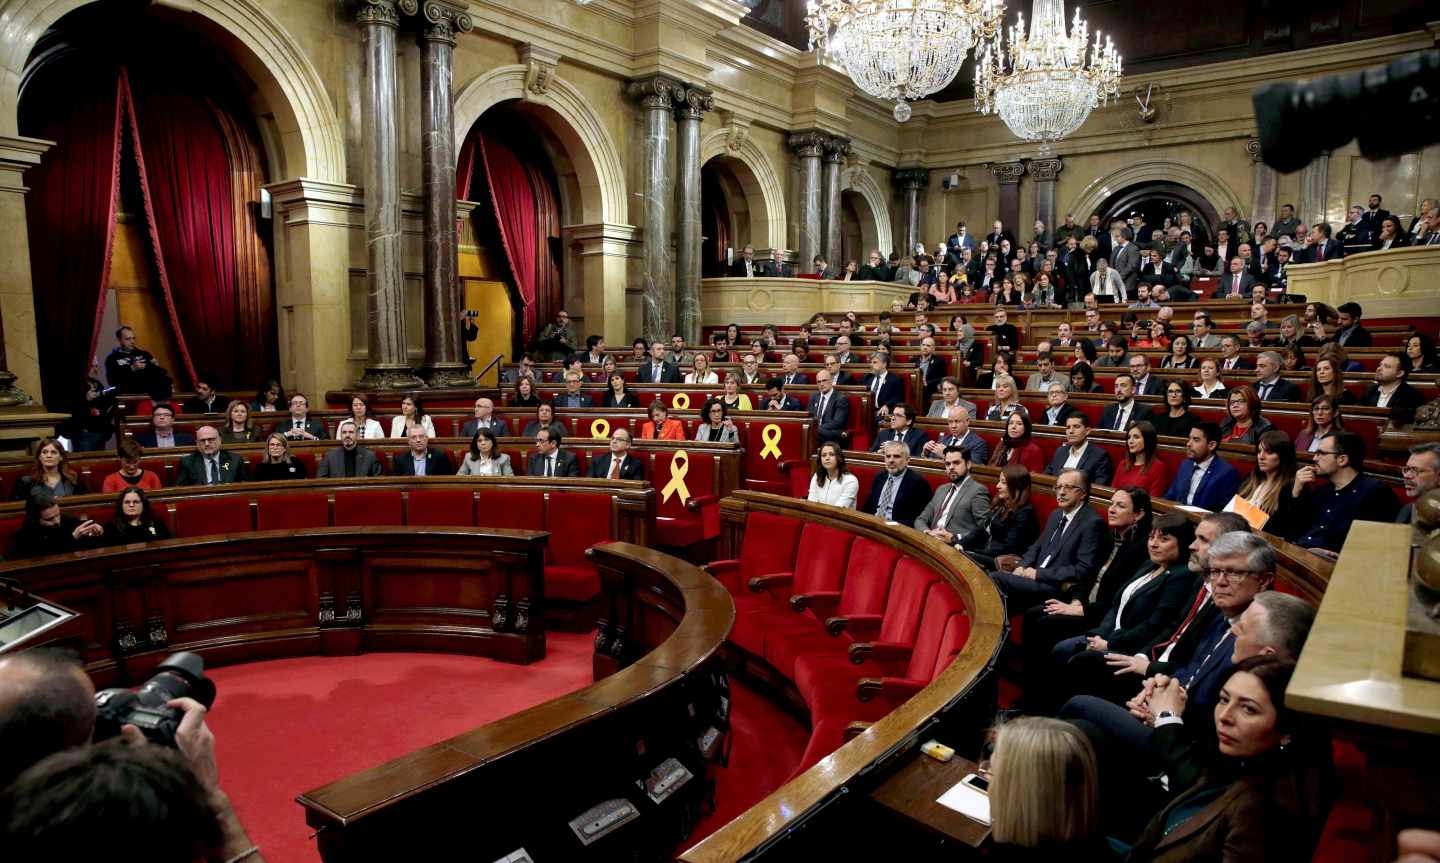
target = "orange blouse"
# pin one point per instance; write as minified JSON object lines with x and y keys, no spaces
{"x":669,"y":430}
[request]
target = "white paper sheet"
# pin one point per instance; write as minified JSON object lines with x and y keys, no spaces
{"x":968,"y":802}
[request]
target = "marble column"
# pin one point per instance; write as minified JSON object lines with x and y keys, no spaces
{"x":445,"y":356}
{"x":1045,"y":172}
{"x":690,"y":109}
{"x":19,"y":341}
{"x":656,"y":95}
{"x":911,"y":181}
{"x":836,"y":149}
{"x":1314,"y":181}
{"x":808,"y":147}
{"x":1008,"y":175}
{"x":387,"y":366}
{"x":1267,"y":187}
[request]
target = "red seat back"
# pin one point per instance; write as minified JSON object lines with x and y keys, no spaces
{"x":441,"y":508}
{"x":576,"y":522}
{"x":379,"y":507}
{"x":769,"y":545}
{"x":292,"y":511}
{"x":941,"y":604}
{"x":821,"y":559}
{"x":957,"y":632}
{"x":868,"y":576}
{"x":514,"y":510}
{"x":908,"y":588}
{"x":210,"y":515}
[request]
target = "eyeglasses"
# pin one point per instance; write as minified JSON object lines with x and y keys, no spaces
{"x":1415,"y":471}
{"x":1332,"y":452}
{"x":1065,"y":487}
{"x":1231,"y":574}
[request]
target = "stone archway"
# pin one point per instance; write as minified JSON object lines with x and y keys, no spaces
{"x":1215,"y":190}
{"x":592,"y":185}
{"x":753,"y":173}
{"x":871,"y":208}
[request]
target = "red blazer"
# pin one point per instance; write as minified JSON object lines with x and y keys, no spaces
{"x":1028,"y":455}
{"x":669,"y":430}
{"x":1155,"y":478}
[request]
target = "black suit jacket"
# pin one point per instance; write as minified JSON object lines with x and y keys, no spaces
{"x":738,"y":268}
{"x":1154,"y":385}
{"x":1043,"y":417}
{"x":777,"y":269}
{"x":314,"y":427}
{"x":1282,"y":391}
{"x":1403,"y":403}
{"x":830,"y":427}
{"x":147,"y":439}
{"x":933,"y":375}
{"x":1333,"y":250}
{"x":191,"y":469}
{"x":1079,"y":553}
{"x":910,"y":498}
{"x":912,"y":438}
{"x":1153,"y":610}
{"x":892,"y":391}
{"x":1095,"y":462}
{"x":566,"y":464}
{"x":669,"y":373}
{"x":437,"y":463}
{"x":631,"y":469}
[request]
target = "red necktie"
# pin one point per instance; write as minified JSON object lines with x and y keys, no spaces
{"x":614,"y":468}
{"x":1159,"y":650}
{"x":1320,"y":252}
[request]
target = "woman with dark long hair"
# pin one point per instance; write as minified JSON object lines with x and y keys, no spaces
{"x":133,"y":521}
{"x":1174,"y":418}
{"x":1012,"y":525}
{"x":832,"y":483}
{"x":1140,"y":467}
{"x":1269,"y":485}
{"x":51,"y":471}
{"x":1324,"y":418}
{"x":1245,"y":423}
{"x":1016,"y":446}
{"x":485,"y":457}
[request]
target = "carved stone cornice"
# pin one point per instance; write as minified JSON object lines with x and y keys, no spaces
{"x":1006,"y":173}
{"x":912,"y":179}
{"x":1252,"y":149}
{"x":443,"y":21}
{"x":808,"y":144}
{"x":692,"y":103}
{"x":384,"y":13}
{"x":1045,"y":170}
{"x":655,"y":91}
{"x":836,"y":149}
{"x":539,"y":66}
{"x":737,"y":131}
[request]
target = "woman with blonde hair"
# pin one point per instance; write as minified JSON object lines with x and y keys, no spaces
{"x":1045,"y":793}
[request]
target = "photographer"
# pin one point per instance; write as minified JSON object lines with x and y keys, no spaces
{"x":70,"y":800}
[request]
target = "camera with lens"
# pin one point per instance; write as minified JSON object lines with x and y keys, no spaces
{"x":181,"y":675}
{"x":1392,"y":109}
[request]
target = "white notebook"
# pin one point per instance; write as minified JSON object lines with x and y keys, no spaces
{"x":968,"y":802}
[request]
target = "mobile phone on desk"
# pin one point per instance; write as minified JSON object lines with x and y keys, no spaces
{"x":976,"y":781}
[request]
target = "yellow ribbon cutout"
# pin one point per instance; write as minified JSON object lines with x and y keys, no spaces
{"x":679,"y":467}
{"x":771,"y":435}
{"x":600,"y":428}
{"x":680,"y":402}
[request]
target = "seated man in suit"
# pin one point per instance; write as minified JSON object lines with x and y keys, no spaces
{"x":1077,"y":454}
{"x":899,"y":494}
{"x":1269,"y":386}
{"x":1146,"y":384}
{"x":205,"y":400}
{"x":838,"y":375}
{"x":931,"y":366}
{"x":956,"y":515}
{"x":1236,"y":283}
{"x":1117,"y":417}
{"x":886,"y":390}
{"x":1204,"y":479}
{"x":299,"y":426}
{"x":949,"y":398}
{"x":1230,"y":359}
{"x":790,"y":371}
{"x":485,"y":419}
{"x":902,"y":429}
{"x":958,"y":433}
{"x":1390,"y":390}
{"x":420,"y":459}
{"x":1040,"y":381}
{"x":1422,"y":473}
{"x":549,"y":459}
{"x":349,"y":459}
{"x":830,"y":410}
{"x":572,"y":397}
{"x":775,"y":398}
{"x":209,"y":464}
{"x":617,"y":463}
{"x":1069,"y":552}
{"x":776,"y":266}
{"x":745,"y":266}
{"x":1058,"y":407}
{"x":162,"y":434}
{"x":658,"y":370}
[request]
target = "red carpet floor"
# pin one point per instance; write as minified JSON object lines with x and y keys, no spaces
{"x":287,"y":726}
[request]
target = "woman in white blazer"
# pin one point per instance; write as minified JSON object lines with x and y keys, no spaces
{"x":368,"y":428}
{"x":832,"y":483}
{"x":412,"y":412}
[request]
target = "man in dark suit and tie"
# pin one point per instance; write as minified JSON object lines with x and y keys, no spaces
{"x":886,"y":390}
{"x":1204,"y":479}
{"x":1069,"y":551}
{"x":958,"y":433}
{"x":485,"y":419}
{"x":1118,"y":416}
{"x":790,"y":371}
{"x":956,"y":515}
{"x":1230,"y":359}
{"x":902,"y":429}
{"x":745,"y":266}
{"x":776,"y":399}
{"x":1077,"y":454}
{"x":1321,"y":247}
{"x":657,"y":370}
{"x":617,"y":463}
{"x":162,"y":434}
{"x":931,"y":366}
{"x":838,"y":375}
{"x":549,"y":459}
{"x":899,"y":494}
{"x":1146,"y":384}
{"x":420,"y":459}
{"x":776,"y":266}
{"x":998,"y":233}
{"x":1392,"y":391}
{"x":829,"y":409}
{"x":299,"y":426}
{"x":1236,"y":284}
{"x":209,"y":464}
{"x":1269,"y":386}
{"x":1372,"y":218}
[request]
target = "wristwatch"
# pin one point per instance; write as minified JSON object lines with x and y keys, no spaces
{"x":1165,"y":714}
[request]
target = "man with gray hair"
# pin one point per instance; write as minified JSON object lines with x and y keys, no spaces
{"x":1421,"y":473}
{"x":1269,"y":386}
{"x":899,"y":494}
{"x":348,"y":460}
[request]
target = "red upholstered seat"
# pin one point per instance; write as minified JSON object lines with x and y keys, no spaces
{"x":675,"y":524}
{"x":206,"y":515}
{"x":378,"y":507}
{"x":575,"y":522}
{"x":769,"y":546}
{"x":307,"y":458}
{"x":8,"y":528}
{"x":441,"y":508}
{"x":292,"y":511}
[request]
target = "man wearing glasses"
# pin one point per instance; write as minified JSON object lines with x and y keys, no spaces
{"x":1007,"y":337}
{"x":209,"y":464}
{"x":1347,"y":494}
{"x":1422,"y":473}
{"x":1071,"y":548}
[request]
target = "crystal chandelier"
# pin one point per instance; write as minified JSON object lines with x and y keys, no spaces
{"x":901,"y":49}
{"x":1041,"y":86}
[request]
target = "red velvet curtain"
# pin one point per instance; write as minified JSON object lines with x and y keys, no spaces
{"x":70,"y":213}
{"x":512,"y":194}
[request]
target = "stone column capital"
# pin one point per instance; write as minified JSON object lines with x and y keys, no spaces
{"x":655,"y":91}
{"x":384,"y":13}
{"x":539,"y":66}
{"x":1252,"y":149}
{"x":1006,"y":173}
{"x":692,"y":103}
{"x":1045,"y":170}
{"x":836,"y":149}
{"x":808,"y":144}
{"x":443,"y":21}
{"x":912,"y":179}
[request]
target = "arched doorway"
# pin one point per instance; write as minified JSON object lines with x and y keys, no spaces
{"x":727,"y":220}
{"x":1156,"y":201}
{"x":149,"y":209}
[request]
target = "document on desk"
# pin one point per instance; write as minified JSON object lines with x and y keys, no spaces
{"x":968,"y":802}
